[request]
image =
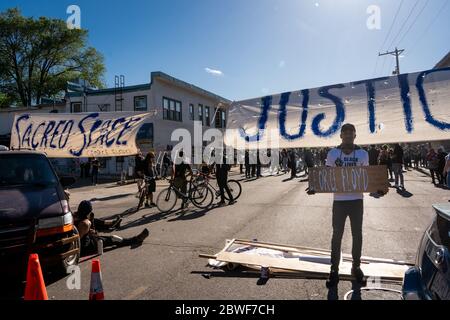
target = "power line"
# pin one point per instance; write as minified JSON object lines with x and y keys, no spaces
{"x":395,"y":53}
{"x":404,"y":23}
{"x":436,"y":17}
{"x":388,"y":34}
{"x":414,"y":22}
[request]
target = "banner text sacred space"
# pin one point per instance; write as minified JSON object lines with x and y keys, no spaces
{"x":405,"y":108}
{"x":78,"y":135}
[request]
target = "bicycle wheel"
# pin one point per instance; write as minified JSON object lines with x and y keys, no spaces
{"x":166,"y":200}
{"x":201,"y":196}
{"x":141,"y":198}
{"x":235,"y":188}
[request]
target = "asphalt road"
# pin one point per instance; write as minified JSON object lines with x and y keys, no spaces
{"x":270,"y":209}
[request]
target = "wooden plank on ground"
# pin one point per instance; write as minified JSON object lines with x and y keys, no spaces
{"x":306,"y":250}
{"x":381,"y":270}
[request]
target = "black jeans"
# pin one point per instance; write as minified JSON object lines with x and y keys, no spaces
{"x":223,"y":186}
{"x":341,"y":209}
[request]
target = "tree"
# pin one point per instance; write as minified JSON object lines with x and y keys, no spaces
{"x":39,"y":56}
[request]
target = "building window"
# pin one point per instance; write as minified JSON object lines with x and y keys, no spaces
{"x":172,"y":110}
{"x":207,"y":119}
{"x":140,"y":103}
{"x":200,"y":113}
{"x":220,"y":119}
{"x":224,"y":119}
{"x":191,"y":111}
{"x":76,"y":107}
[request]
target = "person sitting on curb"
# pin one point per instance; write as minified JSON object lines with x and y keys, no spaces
{"x":88,"y":228}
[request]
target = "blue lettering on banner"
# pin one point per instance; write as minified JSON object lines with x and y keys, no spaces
{"x":423,"y":100}
{"x":111,"y":142}
{"x":267,"y":105}
{"x":82,"y":130}
{"x":26,"y":136}
{"x":283,"y":113}
{"x":404,"y":93}
{"x":126,"y":128}
{"x":23,"y":117}
{"x":55,"y":133}
{"x":371,"y":100}
{"x":69,"y":130}
{"x":33,"y":144}
{"x":340,"y":113}
{"x":51,"y":124}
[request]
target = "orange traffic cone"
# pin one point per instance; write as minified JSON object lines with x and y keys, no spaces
{"x":96,"y":292}
{"x":35,"y":287}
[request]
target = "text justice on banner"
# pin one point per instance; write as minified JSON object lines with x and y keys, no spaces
{"x":404,"y":108}
{"x":78,"y":135}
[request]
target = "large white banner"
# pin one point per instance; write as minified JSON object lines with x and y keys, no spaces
{"x":78,"y":134}
{"x":404,"y":108}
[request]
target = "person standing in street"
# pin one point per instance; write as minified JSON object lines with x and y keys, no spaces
{"x":446,"y":170}
{"x":95,"y":168}
{"x":222,"y":181}
{"x":397,"y":166}
{"x":179,"y":177}
{"x":293,"y":163}
{"x":441,"y":165}
{"x":347,"y":205}
{"x":373,"y":156}
{"x":247,"y":164}
{"x":433,"y":165}
{"x":150,"y":175}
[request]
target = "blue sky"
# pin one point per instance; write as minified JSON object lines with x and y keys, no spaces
{"x":259,"y":46}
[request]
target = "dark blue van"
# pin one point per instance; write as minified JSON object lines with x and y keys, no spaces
{"x":429,"y":279}
{"x":34,"y":214}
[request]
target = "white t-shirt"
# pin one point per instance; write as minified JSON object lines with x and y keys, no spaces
{"x":337,"y":158}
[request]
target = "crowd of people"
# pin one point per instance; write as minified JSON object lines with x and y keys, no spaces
{"x":395,"y":157}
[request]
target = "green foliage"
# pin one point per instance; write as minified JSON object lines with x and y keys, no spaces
{"x":39,"y":56}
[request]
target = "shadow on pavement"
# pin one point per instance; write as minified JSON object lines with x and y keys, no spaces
{"x":145,"y":219}
{"x":117,"y":196}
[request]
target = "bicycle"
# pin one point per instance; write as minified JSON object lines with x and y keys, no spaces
{"x":234,"y":186}
{"x":202,"y":197}
{"x":143,"y":192}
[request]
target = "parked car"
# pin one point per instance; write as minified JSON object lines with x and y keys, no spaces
{"x":429,"y":279}
{"x":34,"y":214}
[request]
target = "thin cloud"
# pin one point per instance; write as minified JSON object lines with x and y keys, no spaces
{"x":217,"y":73}
{"x":282,"y":64}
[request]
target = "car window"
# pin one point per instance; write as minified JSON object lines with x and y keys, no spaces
{"x":440,"y":231}
{"x":25,"y":170}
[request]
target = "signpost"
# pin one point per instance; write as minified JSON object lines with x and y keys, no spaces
{"x":348,"y":179}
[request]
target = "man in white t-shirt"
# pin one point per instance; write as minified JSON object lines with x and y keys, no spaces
{"x":351,"y":205}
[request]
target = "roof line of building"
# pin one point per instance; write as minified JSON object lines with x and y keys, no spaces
{"x":147,"y":86}
{"x":445,"y":62}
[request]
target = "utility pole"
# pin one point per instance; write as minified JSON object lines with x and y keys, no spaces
{"x":395,"y":53}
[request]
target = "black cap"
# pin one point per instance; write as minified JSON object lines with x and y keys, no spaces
{"x":84,"y":209}
{"x":348,"y":126}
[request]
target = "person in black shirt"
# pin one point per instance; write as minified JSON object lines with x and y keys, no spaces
{"x":95,"y":168}
{"x":373,"y":156}
{"x":150,"y":175}
{"x":397,"y":165}
{"x":179,"y":176}
{"x":222,"y":181}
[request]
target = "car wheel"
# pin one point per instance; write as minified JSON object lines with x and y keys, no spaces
{"x":72,"y":260}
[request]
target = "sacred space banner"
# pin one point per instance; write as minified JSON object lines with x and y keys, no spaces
{"x":78,"y":134}
{"x":404,"y":108}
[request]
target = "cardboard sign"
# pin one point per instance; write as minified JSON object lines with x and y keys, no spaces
{"x":349,"y":179}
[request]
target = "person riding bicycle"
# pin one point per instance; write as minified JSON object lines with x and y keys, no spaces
{"x":150,"y":178}
{"x":179,"y":175}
